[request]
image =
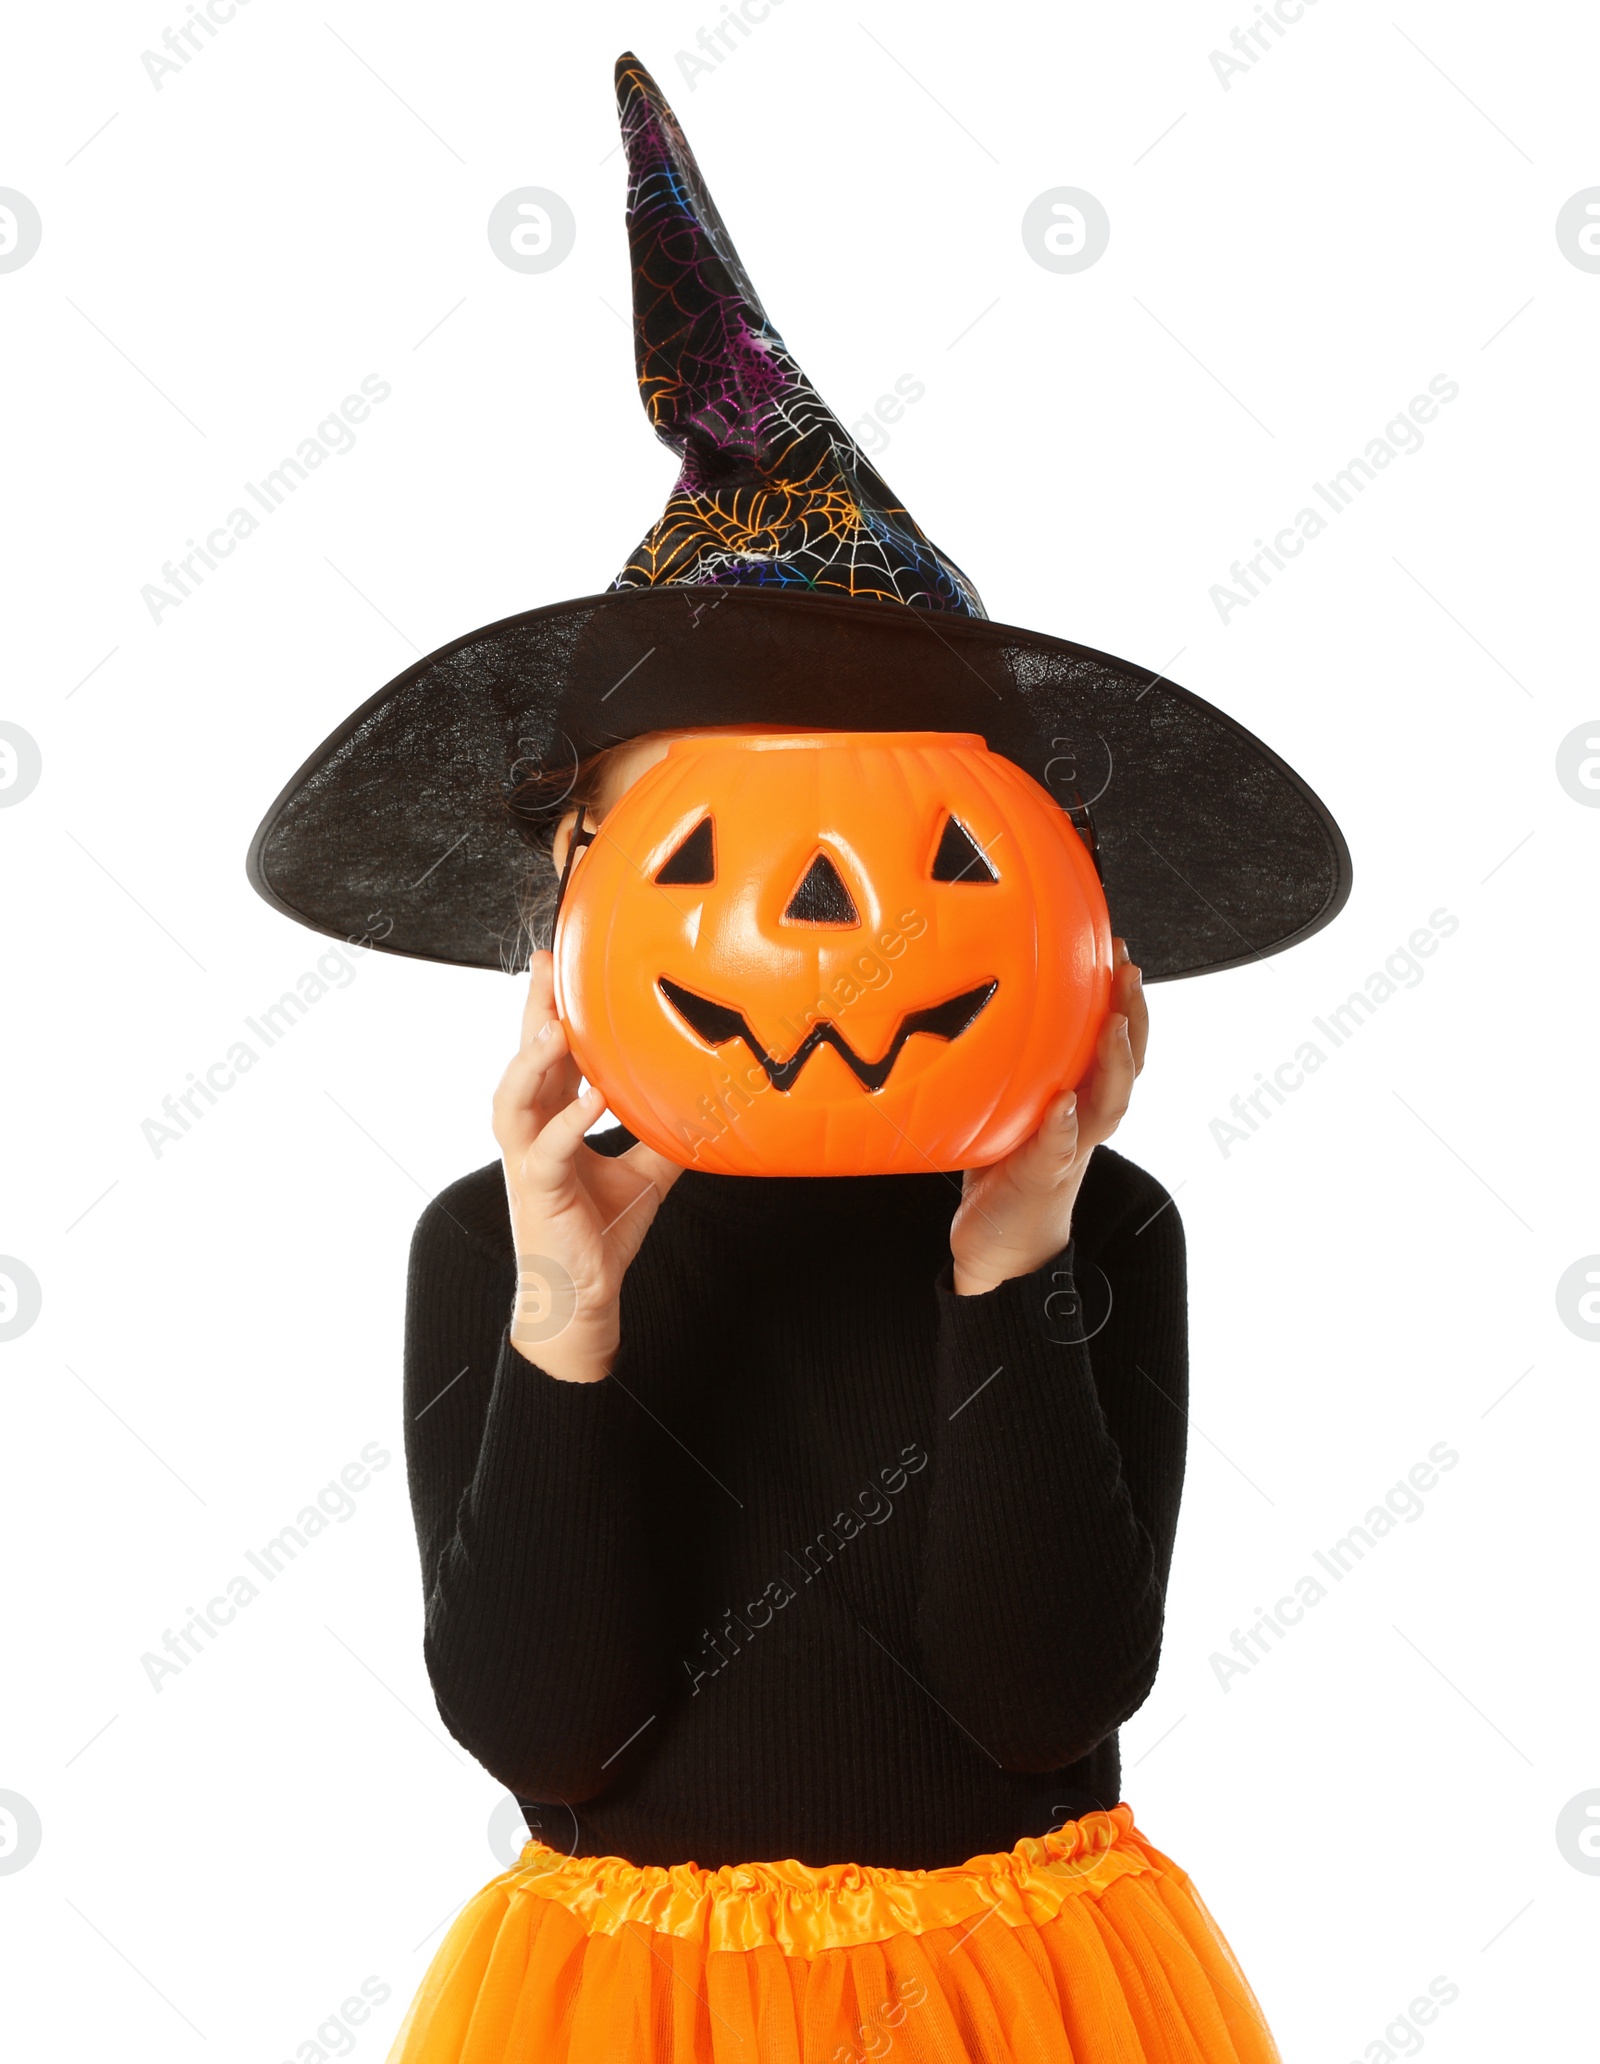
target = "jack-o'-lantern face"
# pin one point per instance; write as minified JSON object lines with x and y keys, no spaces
{"x":833,"y":953}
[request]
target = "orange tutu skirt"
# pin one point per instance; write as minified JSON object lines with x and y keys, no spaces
{"x":1082,"y":1946}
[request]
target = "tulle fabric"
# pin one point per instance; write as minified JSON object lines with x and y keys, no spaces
{"x":1082,"y":1946}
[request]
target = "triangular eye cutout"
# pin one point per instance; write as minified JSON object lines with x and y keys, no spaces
{"x":822,"y":898}
{"x":694,"y":863}
{"x":959,"y":857}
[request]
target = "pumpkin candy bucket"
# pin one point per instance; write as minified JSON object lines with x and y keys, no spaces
{"x":833,"y":953}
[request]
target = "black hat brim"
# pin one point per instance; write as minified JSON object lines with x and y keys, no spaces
{"x":395,"y":833}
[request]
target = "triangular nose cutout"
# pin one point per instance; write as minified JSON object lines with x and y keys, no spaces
{"x":822,"y":898}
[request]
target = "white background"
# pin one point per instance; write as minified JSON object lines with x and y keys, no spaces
{"x":1292,"y":257}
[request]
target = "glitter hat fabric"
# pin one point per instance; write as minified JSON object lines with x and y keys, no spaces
{"x":782,"y":585}
{"x":774,"y":492}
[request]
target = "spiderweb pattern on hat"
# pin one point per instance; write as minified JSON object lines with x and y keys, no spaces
{"x":773,"y":491}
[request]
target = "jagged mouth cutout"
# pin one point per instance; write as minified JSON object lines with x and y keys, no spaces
{"x":717,"y":1023}
{"x":821,"y":898}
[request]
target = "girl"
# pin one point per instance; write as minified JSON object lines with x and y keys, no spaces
{"x":793,"y":1548}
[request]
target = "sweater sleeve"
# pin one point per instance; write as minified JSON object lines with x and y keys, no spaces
{"x":1058,"y":1470}
{"x":540,"y":1621}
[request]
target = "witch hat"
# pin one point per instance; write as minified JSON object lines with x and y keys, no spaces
{"x":783,"y":585}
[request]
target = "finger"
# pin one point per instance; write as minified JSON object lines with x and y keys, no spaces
{"x":539,"y":1019}
{"x":1103,"y":1099}
{"x":653,"y":1167}
{"x":1043,"y":1160}
{"x":533,"y":1087}
{"x":1127,"y":996}
{"x":540,"y":1007}
{"x":549,"y":1164}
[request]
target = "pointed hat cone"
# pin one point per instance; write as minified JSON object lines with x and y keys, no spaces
{"x":774,"y":491}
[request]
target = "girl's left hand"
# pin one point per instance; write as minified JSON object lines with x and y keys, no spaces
{"x":1015,"y":1215}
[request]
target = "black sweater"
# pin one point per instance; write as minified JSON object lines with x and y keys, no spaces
{"x":835,"y":1565}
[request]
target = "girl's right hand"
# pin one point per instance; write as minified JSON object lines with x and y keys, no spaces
{"x":578,"y":1218}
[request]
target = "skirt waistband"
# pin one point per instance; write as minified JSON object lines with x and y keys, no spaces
{"x":804,"y":1909}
